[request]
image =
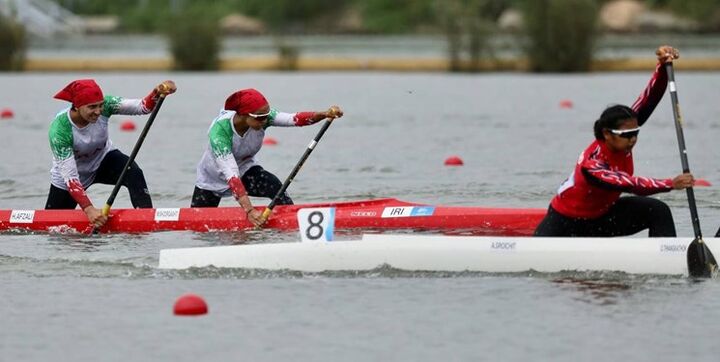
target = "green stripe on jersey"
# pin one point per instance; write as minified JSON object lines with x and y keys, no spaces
{"x":111,"y":105}
{"x":221,"y":137}
{"x":61,"y":137}
{"x":271,"y":118}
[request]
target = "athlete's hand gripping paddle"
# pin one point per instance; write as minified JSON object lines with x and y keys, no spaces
{"x":268,"y":210}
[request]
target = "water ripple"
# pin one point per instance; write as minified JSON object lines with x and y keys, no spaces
{"x":144,"y":268}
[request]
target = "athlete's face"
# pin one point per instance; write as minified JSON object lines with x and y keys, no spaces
{"x":256,"y":120}
{"x":624,"y":137}
{"x":91,"y":112}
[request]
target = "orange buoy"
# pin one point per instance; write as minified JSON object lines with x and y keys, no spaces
{"x":270,"y":141}
{"x":453,"y":161}
{"x":127,"y":126}
{"x":189,"y":305}
{"x":7,"y":113}
{"x":566,"y":104}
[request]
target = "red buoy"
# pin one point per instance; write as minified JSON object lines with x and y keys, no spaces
{"x":566,"y":104}
{"x":190,"y":304}
{"x":127,"y":126}
{"x":702,"y":182}
{"x":270,"y":141}
{"x":453,"y":161}
{"x":7,"y":113}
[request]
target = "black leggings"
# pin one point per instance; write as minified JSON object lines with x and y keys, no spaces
{"x":108,"y":174}
{"x":257,"y":182}
{"x":629,"y":215}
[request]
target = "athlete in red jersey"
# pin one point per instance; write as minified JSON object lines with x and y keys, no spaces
{"x":588,"y":203}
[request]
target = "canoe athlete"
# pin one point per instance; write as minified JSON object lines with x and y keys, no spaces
{"x":229,"y":167}
{"x":83,"y":153}
{"x":588,"y":203}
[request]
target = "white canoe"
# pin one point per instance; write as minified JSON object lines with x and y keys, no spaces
{"x":449,"y":253}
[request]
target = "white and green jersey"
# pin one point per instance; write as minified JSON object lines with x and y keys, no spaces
{"x":229,"y":154}
{"x":77,"y":152}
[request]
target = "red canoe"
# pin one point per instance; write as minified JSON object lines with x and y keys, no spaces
{"x":367,"y":214}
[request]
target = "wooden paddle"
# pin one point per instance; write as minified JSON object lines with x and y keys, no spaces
{"x":138,"y":144}
{"x":700,"y":260}
{"x":268,"y":210}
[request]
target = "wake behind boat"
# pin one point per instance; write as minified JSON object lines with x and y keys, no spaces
{"x":449,"y":253}
{"x":387,"y":213}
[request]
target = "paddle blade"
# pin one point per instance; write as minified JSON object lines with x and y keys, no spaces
{"x":702,"y":182}
{"x":701,"y":262}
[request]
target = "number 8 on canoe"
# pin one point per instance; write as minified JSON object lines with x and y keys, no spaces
{"x":316,"y":224}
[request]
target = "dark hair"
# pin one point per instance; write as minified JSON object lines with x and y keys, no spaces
{"x":611,"y":118}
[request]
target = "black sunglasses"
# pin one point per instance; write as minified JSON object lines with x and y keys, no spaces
{"x":626,"y":133}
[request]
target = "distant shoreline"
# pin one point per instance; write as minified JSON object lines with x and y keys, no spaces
{"x":342,"y":64}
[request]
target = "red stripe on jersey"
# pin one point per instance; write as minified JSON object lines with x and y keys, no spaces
{"x":149,"y":102}
{"x":76,"y":190}
{"x":237,"y":187}
{"x":304,"y":119}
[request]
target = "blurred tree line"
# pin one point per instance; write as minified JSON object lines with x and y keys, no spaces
{"x":192,"y":24}
{"x":706,"y":12}
{"x":308,"y":16}
{"x":13,"y":42}
{"x":557,"y":35}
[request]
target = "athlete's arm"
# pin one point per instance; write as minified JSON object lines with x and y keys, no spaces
{"x":61,"y":145}
{"x":598,"y":173}
{"x":220,"y":136}
{"x":127,"y":106}
{"x":655,"y":89}
{"x":300,"y":119}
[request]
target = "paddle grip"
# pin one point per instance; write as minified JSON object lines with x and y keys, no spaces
{"x":266,"y":213}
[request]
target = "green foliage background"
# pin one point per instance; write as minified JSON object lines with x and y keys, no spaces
{"x":561,"y":34}
{"x":194,"y":39}
{"x":301,"y":16}
{"x":13,"y":43}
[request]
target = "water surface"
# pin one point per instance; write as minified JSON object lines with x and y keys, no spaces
{"x":70,"y":297}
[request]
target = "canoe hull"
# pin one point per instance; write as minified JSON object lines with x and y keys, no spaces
{"x":369,"y":214}
{"x":449,"y":253}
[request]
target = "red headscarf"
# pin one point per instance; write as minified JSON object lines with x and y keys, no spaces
{"x":81,"y":92}
{"x":245,"y":101}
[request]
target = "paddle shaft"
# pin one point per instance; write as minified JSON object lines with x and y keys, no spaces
{"x":683,"y":150}
{"x":131,"y":159}
{"x":297,"y":168}
{"x":700,"y":260}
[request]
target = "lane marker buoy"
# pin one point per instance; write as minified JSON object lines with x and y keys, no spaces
{"x":190,"y":305}
{"x":453,"y":161}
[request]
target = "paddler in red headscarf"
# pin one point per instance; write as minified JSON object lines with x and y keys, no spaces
{"x":83,"y":153}
{"x":229,"y":167}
